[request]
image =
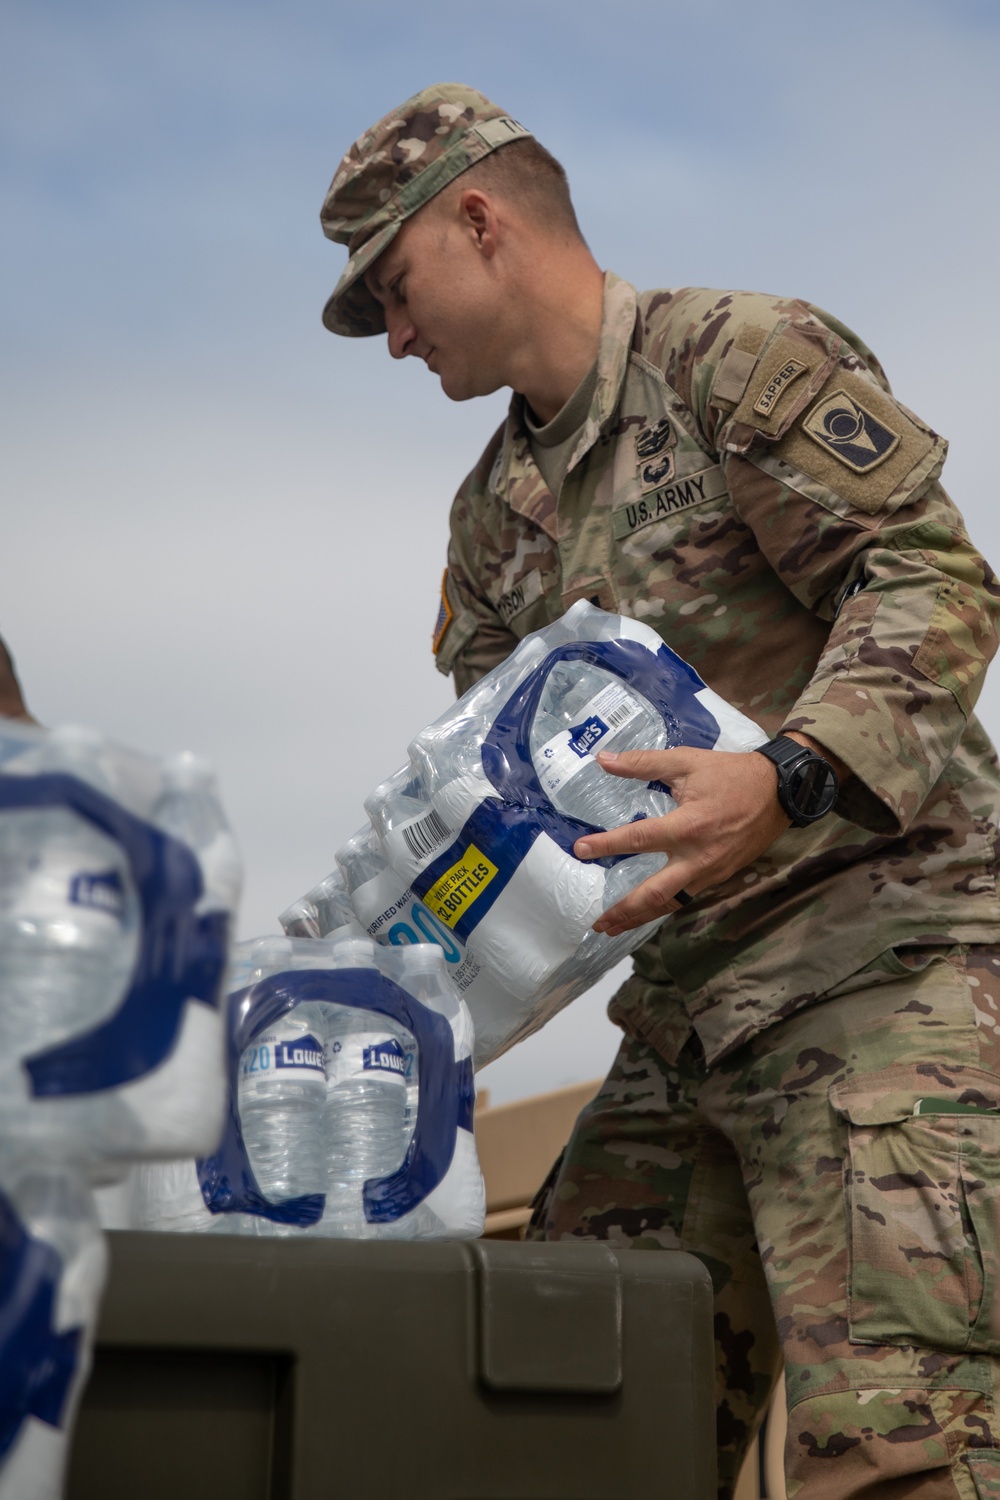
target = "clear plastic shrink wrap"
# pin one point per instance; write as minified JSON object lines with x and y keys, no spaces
{"x":118,"y":880}
{"x":325,"y":911}
{"x":470,"y":844}
{"x":52,"y":1267}
{"x":327,"y":1132}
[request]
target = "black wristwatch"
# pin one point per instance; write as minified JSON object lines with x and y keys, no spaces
{"x":807,"y":784}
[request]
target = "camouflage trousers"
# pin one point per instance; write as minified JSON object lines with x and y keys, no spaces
{"x":846,"y":1234}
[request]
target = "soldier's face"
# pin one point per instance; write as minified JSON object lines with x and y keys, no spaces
{"x":438,"y":296}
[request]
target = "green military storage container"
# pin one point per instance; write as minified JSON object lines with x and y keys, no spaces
{"x":268,"y":1369}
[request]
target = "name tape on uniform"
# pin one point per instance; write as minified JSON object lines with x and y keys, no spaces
{"x":683,"y":494}
{"x":527,"y":591}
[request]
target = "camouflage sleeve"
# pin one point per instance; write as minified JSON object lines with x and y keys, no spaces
{"x":839,"y":484}
{"x":915,"y":625}
{"x":470,"y":639}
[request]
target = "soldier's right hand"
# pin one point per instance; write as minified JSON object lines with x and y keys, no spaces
{"x":727,"y":814}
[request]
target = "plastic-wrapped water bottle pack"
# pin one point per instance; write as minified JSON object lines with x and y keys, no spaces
{"x":351,"y":1100}
{"x":470,"y":845}
{"x":118,"y":880}
{"x":52,"y":1269}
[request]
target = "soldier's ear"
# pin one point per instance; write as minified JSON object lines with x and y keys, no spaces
{"x":477,"y":212}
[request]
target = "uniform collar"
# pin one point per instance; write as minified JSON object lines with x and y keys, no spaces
{"x":516,"y":477}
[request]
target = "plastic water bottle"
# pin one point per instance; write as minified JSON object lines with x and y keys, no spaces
{"x":301,"y":919}
{"x":451,"y":748}
{"x":281,"y":1093}
{"x":166,"y":1195}
{"x":425,"y":978}
{"x":325,"y":911}
{"x":582,"y":710}
{"x":366,"y":1115}
{"x":360,"y":859}
{"x":396,"y":802}
{"x":69,"y":914}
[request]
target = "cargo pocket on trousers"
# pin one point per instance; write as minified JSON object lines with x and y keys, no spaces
{"x":922,"y":1186}
{"x":984,"y":1466}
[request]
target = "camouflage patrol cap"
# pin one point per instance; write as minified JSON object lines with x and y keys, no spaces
{"x":390,"y":172}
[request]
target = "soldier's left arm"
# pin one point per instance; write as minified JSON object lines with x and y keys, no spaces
{"x":840,"y":485}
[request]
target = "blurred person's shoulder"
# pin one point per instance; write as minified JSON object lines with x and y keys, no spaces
{"x":12,"y":705}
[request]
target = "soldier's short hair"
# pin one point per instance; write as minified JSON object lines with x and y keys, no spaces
{"x":530,"y":177}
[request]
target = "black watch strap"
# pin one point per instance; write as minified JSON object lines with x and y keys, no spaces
{"x":807,"y":783}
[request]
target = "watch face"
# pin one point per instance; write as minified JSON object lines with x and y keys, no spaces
{"x":812,"y":787}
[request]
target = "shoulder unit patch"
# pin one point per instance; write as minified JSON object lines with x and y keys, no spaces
{"x":858,"y":443}
{"x":849,"y":431}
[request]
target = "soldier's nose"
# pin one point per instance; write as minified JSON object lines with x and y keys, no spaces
{"x":402,"y":334}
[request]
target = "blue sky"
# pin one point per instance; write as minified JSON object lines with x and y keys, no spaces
{"x":225,"y":528}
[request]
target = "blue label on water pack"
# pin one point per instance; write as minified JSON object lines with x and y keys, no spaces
{"x":37,"y":1364}
{"x":100,"y":890}
{"x":181,"y":957}
{"x":583,"y":737}
{"x":387,"y":1057}
{"x":306,"y":1052}
{"x":446,"y":1098}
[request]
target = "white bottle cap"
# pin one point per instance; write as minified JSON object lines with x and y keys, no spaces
{"x":271,"y":954}
{"x":351,"y":953}
{"x":422,"y":958}
{"x":187,"y":772}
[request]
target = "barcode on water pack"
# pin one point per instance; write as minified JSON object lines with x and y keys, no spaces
{"x":425,"y":834}
{"x":621,"y":714}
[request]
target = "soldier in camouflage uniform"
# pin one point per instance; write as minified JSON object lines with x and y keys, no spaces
{"x":808,"y":1095}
